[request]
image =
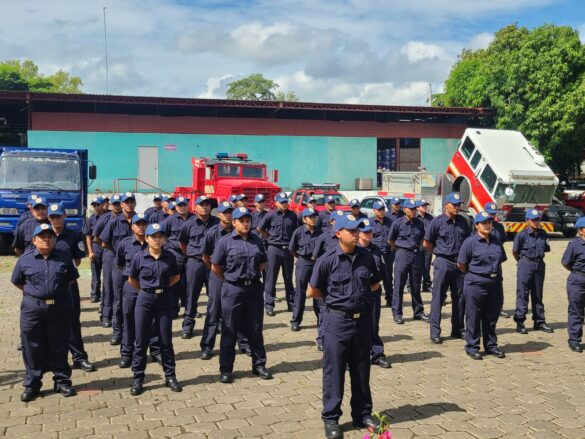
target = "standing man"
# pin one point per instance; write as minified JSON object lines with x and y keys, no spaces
{"x":356,"y":209}
{"x":165,"y":211}
{"x":238,"y":260}
{"x":330,"y":204}
{"x":529,"y":248}
{"x":381,"y":228}
{"x":191,"y":242}
{"x":44,"y":276}
{"x":233,"y":199}
{"x":258,"y":214}
{"x":24,"y":233}
{"x":499,"y":232}
{"x":278,"y":226}
{"x":328,"y":239}
{"x":27,"y":213}
{"x":395,"y":211}
{"x":345,"y":279}
{"x":444,"y":237}
{"x":156,"y":207}
{"x":426,"y":255}
{"x":406,"y":236}
{"x":95,"y":251}
{"x":242,"y":200}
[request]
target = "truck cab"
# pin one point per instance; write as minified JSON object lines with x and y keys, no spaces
{"x":299,"y":197}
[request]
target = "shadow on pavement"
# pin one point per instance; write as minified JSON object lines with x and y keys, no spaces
{"x":414,"y":356}
{"x":411,"y":412}
{"x":529,"y":346}
{"x":10,"y":377}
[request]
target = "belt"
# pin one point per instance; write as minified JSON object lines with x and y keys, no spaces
{"x":533,"y":259}
{"x":39,"y":301}
{"x":410,"y":250}
{"x":243,"y":282}
{"x":449,"y":258}
{"x":580,"y":273}
{"x":280,"y":246}
{"x":490,"y":275}
{"x":347,"y":315}
{"x":153,"y":290}
{"x":307,"y":258}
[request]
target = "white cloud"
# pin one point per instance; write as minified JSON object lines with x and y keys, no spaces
{"x":215,"y":87}
{"x":480,"y":41}
{"x":417,"y":51}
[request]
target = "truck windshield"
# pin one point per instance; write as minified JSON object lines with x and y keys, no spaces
{"x":340,"y":200}
{"x":39,"y":172}
{"x":252,"y":172}
{"x":225,"y":170}
{"x":526,"y":194}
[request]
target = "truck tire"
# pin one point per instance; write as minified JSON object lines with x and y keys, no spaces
{"x":570,"y":233}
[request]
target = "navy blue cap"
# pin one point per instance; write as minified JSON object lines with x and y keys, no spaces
{"x":422,"y":202}
{"x":240,"y":212}
{"x":172,"y":205}
{"x":127,"y":196}
{"x":346,"y":222}
{"x":232,"y":198}
{"x":39,"y":201}
{"x":490,"y":208}
{"x":532,"y":214}
{"x":182,"y":200}
{"x":259,"y":198}
{"x":31,"y":199}
{"x":354,"y":202}
{"x":43,"y":228}
{"x":309,"y":211}
{"x":201,"y":198}
{"x":453,"y":198}
{"x":409,"y":204}
{"x":281,"y":197}
{"x":56,"y":209}
{"x":395,"y":200}
{"x":311,"y":199}
{"x":481,"y":217}
{"x":366,"y":225}
{"x":335,"y":215}
{"x":154,"y":228}
{"x":139,"y":217}
{"x":224,"y":206}
{"x":168,"y":198}
{"x":157,"y":197}
{"x":97,"y":200}
{"x":329,"y":199}
{"x":115,"y":199}
{"x":379,"y":205}
{"x":580,"y":222}
{"x":241,"y":197}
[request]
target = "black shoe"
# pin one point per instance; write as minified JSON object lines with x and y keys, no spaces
{"x":94,"y":299}
{"x":388,"y":304}
{"x":206,"y":354}
{"x":262,"y":372}
{"x":333,"y":430}
{"x":156,"y":358}
{"x":125,"y":363}
{"x":423,"y":317}
{"x":173,"y":384}
{"x":496,"y":353}
{"x":197,"y":315}
{"x":319,"y":346}
{"x":575,"y":347}
{"x":29,"y":394}
{"x":115,"y":341}
{"x":436,"y":340}
{"x":398,"y":320}
{"x":295,"y":326}
{"x":544,"y":328}
{"x":137,"y":388}
{"x":367,"y":422}
{"x":106,"y":323}
{"x":186,"y":335}
{"x":382,"y":362}
{"x":246,"y":351}
{"x":474,"y":355}
{"x":458,"y":335}
{"x":226,"y":378}
{"x":277,"y":299}
{"x":504,"y":314}
{"x":66,"y":391}
{"x":521,"y":329}
{"x":426,"y":289}
{"x":85,"y":366}
{"x":270,"y":312}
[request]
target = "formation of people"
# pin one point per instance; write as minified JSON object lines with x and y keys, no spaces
{"x":147,"y":266}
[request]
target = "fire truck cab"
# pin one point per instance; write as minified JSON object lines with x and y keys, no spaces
{"x":500,"y":166}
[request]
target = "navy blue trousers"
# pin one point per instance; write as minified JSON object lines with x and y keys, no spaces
{"x":346,"y":341}
{"x":196,"y":274}
{"x":427,"y":258}
{"x":179,"y":290}
{"x":108,"y":285}
{"x":483,"y":303}
{"x":117,"y":310}
{"x":76,"y":346}
{"x":529,"y":286}
{"x":96,"y":271}
{"x":377,"y":344}
{"x":303,"y":271}
{"x":386,"y":273}
{"x":157,"y":307}
{"x":129,"y":330}
{"x":407,"y":265}
{"x":241,"y":307}
{"x":44,"y":331}
{"x":576,"y":295}
{"x":278,"y":257}
{"x":447,"y":276}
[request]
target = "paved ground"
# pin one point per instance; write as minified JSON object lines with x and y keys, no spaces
{"x":431,"y":391}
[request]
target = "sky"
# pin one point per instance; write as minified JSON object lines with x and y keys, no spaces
{"x":348,"y":51}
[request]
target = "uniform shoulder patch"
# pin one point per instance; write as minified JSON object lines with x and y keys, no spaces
{"x":351,"y":217}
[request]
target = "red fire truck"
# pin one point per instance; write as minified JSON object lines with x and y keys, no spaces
{"x":226,"y":175}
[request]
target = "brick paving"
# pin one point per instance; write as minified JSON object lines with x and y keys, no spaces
{"x":431,"y":391}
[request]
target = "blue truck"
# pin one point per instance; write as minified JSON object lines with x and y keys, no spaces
{"x":59,"y":175}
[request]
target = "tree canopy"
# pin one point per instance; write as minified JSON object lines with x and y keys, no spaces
{"x":256,"y":87}
{"x":535,"y":80}
{"x":25,"y":76}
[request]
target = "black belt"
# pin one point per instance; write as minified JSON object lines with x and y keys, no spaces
{"x":347,"y":315}
{"x":153,"y":290}
{"x":197,"y":258}
{"x":307,"y":258}
{"x":533,"y":259}
{"x":489,"y":275}
{"x":449,"y":258}
{"x":243,"y":282}
{"x":43,"y":301}
{"x":410,"y":250}
{"x":280,"y":246}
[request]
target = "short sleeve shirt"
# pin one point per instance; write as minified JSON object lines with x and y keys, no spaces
{"x":407,"y":234}
{"x":239,"y":258}
{"x":380,"y":232}
{"x":151,"y":272}
{"x":72,"y":243}
{"x":128,"y":248}
{"x":482,"y":256}
{"x":531,"y":244}
{"x":446,"y":235}
{"x":574,"y":255}
{"x":303,"y":241}
{"x":193,"y":234}
{"x":279,"y":225}
{"x":117,"y":228}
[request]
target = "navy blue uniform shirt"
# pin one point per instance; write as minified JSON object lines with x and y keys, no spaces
{"x":345,"y":280}
{"x":499,"y":231}
{"x":324,"y":218}
{"x":446,"y":235}
{"x":482,"y":256}
{"x":380,"y":232}
{"x":377,"y":254}
{"x":325,"y":243}
{"x":72,"y":243}
{"x":172,"y":227}
{"x":574,"y":256}
{"x":45,"y":278}
{"x":158,"y":217}
{"x":151,"y":272}
{"x":23,"y":217}
{"x":303,"y":241}
{"x":394,"y":215}
{"x":239,"y":258}
{"x":212,"y":237}
{"x":280,"y":225}
{"x":531,"y":244}
{"x":88,"y":228}
{"x":102,"y":222}
{"x":117,"y":228}
{"x":427,"y":218}
{"x":127,"y":249}
{"x":407,"y":233}
{"x":24,"y":234}
{"x":257,"y":217}
{"x":151,"y":210}
{"x":193,"y":234}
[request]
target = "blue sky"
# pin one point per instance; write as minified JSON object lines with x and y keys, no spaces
{"x":357,"y":51}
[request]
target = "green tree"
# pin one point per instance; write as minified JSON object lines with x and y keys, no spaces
{"x":256,"y":87}
{"x":535,"y":80}
{"x":25,"y":75}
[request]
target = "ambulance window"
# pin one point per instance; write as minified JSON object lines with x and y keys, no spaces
{"x":488,"y":178}
{"x":467,"y":147}
{"x":475,"y":159}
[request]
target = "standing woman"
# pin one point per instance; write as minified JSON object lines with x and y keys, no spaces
{"x":574,"y":261}
{"x":480,"y":258}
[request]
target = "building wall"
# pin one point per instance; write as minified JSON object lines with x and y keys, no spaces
{"x":436,"y":153}
{"x":297,"y":158}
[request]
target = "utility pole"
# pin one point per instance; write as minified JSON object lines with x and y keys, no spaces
{"x":106,"y":46}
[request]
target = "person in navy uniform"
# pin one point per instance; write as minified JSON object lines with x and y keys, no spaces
{"x":377,"y":355}
{"x":330,"y":207}
{"x":238,"y":260}
{"x":44,"y":275}
{"x":108,"y":256}
{"x":480,"y":258}
{"x":242,"y":200}
{"x":94,"y":250}
{"x":345,"y":278}
{"x":127,"y":249}
{"x":405,"y":237}
{"x":574,"y":261}
{"x":24,"y":233}
{"x":427,"y":255}
{"x":118,"y":228}
{"x":277,"y":227}
{"x":381,"y":224}
{"x":156,"y":207}
{"x":356,"y":209}
{"x":444,"y":237}
{"x":302,"y":245}
{"x":259,"y":213}
{"x":395,"y":211}
{"x":233,"y":200}
{"x":27,"y":213}
{"x":154,"y":272}
{"x":328,"y":238}
{"x":528,"y":249}
{"x":165,"y":211}
{"x":191,"y":242}
{"x":72,"y":243}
